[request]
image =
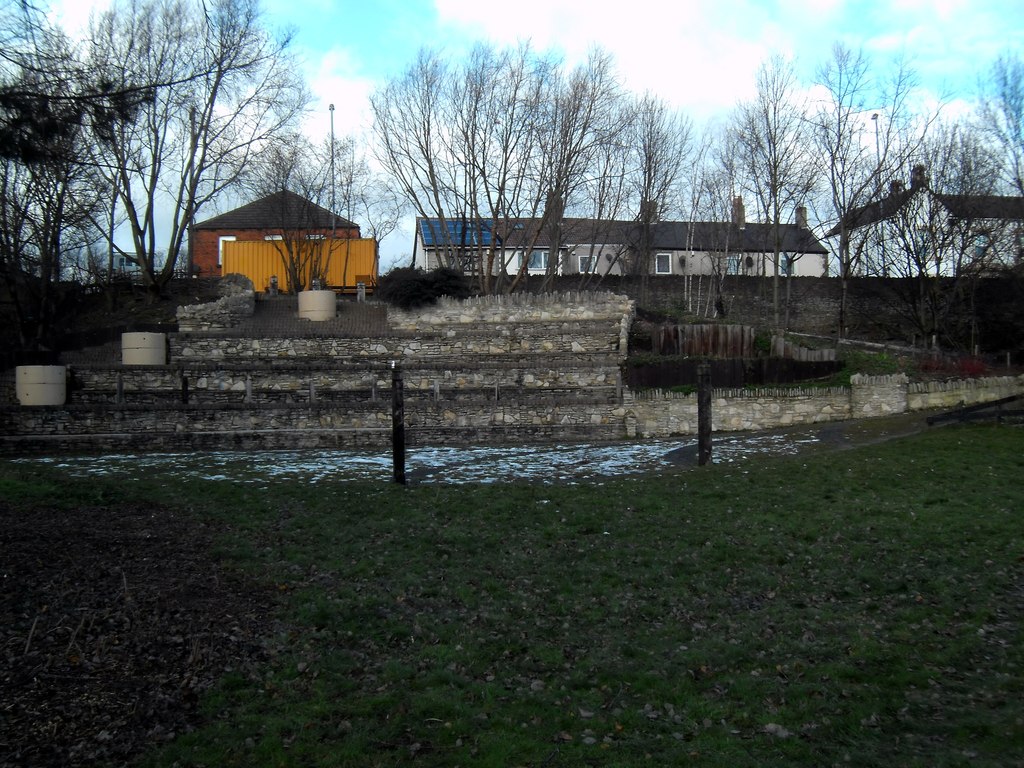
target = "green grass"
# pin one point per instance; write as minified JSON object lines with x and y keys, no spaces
{"x":855,"y":608}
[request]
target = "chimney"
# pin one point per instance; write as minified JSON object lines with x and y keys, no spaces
{"x":918,"y":177}
{"x":801,"y":217}
{"x":739,"y":215}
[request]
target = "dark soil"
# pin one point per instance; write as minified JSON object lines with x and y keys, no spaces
{"x":114,"y":620}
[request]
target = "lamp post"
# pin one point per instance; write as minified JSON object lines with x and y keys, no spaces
{"x":333,"y":220}
{"x":878,"y":152}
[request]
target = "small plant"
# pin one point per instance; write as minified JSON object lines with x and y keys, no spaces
{"x":763,"y":343}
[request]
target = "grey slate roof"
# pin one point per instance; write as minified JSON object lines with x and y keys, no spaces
{"x":964,"y":207}
{"x":280,"y":210}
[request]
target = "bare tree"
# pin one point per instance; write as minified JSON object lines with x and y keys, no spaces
{"x":293,"y":174}
{"x":230,"y":87}
{"x":657,"y":147}
{"x":581,"y":117}
{"x":946,"y":236}
{"x":479,"y":145}
{"x":409,"y":125}
{"x":1002,"y":115}
{"x":774,"y":148}
{"x":48,"y":198}
{"x":864,"y":133}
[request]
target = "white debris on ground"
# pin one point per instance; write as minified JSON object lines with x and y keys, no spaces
{"x":591,"y":462}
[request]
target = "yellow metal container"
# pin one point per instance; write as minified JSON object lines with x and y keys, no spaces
{"x":349,"y":262}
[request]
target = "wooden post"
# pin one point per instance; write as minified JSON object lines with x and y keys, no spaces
{"x":397,"y":424}
{"x":703,"y":414}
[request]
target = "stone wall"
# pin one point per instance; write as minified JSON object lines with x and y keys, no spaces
{"x":432,"y":418}
{"x":237,"y":301}
{"x":498,"y":370}
{"x":663,"y":414}
{"x":928,"y":395}
{"x":574,"y":337}
{"x":441,"y":378}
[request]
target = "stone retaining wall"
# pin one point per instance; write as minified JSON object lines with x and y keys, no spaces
{"x":203,"y":383}
{"x":573,"y":337}
{"x":663,"y":414}
{"x":927,"y":395}
{"x":476,"y":417}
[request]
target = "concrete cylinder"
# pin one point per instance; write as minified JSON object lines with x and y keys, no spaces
{"x":317,"y":305}
{"x":41,"y":384}
{"x":143,"y":348}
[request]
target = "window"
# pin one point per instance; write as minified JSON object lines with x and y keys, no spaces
{"x":316,"y":237}
{"x":981,"y":245}
{"x":734,"y":265}
{"x":663,"y":264}
{"x":588,"y":263}
{"x":273,"y":237}
{"x":786,"y":268}
{"x":220,"y":247}
{"x":538,"y":261}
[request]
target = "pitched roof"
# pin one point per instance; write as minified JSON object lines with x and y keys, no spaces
{"x":280,"y":210}
{"x":984,"y":206}
{"x":668,"y":235}
{"x":719,"y":236}
{"x":964,"y":207}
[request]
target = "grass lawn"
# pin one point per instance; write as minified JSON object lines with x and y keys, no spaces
{"x":861,"y":607}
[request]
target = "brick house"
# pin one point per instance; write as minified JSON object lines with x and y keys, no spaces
{"x":274,"y":217}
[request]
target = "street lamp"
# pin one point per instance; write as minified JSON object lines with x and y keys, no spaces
{"x":333,"y":215}
{"x":878,"y":152}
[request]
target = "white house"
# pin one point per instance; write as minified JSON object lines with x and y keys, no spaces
{"x":615,"y":247}
{"x":917,"y":232}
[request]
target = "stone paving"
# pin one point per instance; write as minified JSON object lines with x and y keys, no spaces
{"x":277,"y":317}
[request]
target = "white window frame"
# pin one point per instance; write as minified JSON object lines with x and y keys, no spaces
{"x":543,"y":255}
{"x":220,"y":248}
{"x":668,"y":263}
{"x":587,"y":263}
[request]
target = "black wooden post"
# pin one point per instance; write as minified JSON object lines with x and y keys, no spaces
{"x":397,"y":423}
{"x":703,"y":414}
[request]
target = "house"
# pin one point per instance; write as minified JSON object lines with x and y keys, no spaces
{"x":614,"y":247}
{"x":917,"y":232}
{"x":282,"y":216}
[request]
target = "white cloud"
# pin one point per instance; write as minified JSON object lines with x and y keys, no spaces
{"x":334,"y":78}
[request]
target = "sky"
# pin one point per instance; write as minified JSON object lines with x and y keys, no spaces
{"x":700,"y":56}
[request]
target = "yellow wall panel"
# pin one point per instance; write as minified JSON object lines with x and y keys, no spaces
{"x":351,"y":262}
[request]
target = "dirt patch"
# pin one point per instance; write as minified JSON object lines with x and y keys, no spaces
{"x":115,"y":620}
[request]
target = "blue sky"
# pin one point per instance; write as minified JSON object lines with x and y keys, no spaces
{"x":700,"y":56}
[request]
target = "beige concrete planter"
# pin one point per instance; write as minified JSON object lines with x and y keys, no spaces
{"x":143,"y":348}
{"x":317,"y":305}
{"x":41,"y":384}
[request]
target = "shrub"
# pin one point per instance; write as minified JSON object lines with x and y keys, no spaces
{"x":408,"y":287}
{"x":449,"y":282}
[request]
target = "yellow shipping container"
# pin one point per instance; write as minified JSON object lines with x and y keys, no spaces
{"x":350,"y":262}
